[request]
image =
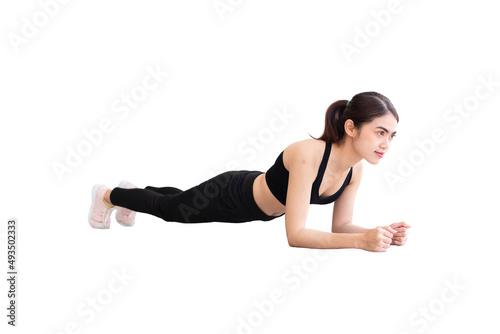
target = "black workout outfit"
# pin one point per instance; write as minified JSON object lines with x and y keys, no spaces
{"x":227,"y":197}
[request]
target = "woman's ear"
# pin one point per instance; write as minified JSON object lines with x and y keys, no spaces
{"x":349,"y":128}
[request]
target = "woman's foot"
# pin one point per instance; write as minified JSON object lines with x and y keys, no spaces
{"x":100,"y":211}
{"x":125,"y":216}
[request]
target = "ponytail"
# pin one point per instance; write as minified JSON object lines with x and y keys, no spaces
{"x":362,"y":108}
{"x":334,"y":122}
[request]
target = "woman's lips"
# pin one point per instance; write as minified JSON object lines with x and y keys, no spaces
{"x":380,"y":155}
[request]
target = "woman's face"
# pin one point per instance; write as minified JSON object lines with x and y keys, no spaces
{"x":373,"y":140}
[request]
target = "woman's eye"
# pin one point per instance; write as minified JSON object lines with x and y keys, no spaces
{"x":381,"y":133}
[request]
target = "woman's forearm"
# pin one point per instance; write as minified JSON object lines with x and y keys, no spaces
{"x":308,"y":238}
{"x":349,"y":228}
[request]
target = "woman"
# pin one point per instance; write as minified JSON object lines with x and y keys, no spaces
{"x":312,"y":171}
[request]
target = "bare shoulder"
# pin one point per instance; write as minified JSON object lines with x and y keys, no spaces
{"x":306,"y":151}
{"x":357,"y":172}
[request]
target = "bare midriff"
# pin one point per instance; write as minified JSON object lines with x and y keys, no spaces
{"x":265,"y":198}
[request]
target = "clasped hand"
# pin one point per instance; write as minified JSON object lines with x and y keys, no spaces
{"x":381,"y":238}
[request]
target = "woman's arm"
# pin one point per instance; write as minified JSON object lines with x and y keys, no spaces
{"x":301,"y":176}
{"x":309,"y":238}
{"x":374,"y":240}
{"x":343,"y":207}
{"x":377,"y":239}
{"x":302,"y":172}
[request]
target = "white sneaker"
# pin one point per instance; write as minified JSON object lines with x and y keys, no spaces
{"x":99,"y":214}
{"x":124,"y":216}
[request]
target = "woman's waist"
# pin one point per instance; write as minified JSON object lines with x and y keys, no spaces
{"x":265,"y":198}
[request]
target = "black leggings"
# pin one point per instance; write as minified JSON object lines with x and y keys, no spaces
{"x":227,"y":197}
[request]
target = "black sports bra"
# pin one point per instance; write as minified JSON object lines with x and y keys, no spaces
{"x":277,"y":180}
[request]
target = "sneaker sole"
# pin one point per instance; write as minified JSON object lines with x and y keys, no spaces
{"x":94,"y":193}
{"x":122,"y":185}
{"x":122,"y":224}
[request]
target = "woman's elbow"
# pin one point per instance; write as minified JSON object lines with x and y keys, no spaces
{"x":293,"y":240}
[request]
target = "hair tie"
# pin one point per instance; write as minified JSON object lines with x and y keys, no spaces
{"x":347,"y":103}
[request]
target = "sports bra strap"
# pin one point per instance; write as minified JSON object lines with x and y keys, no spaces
{"x":322,"y":168}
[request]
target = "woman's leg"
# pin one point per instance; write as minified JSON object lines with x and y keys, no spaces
{"x":140,"y":200}
{"x":227,"y":197}
{"x":165,"y":190}
{"x":205,"y":202}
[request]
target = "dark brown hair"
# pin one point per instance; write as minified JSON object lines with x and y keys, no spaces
{"x":362,"y":108}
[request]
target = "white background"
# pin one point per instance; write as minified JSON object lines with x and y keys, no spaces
{"x":228,"y":75}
